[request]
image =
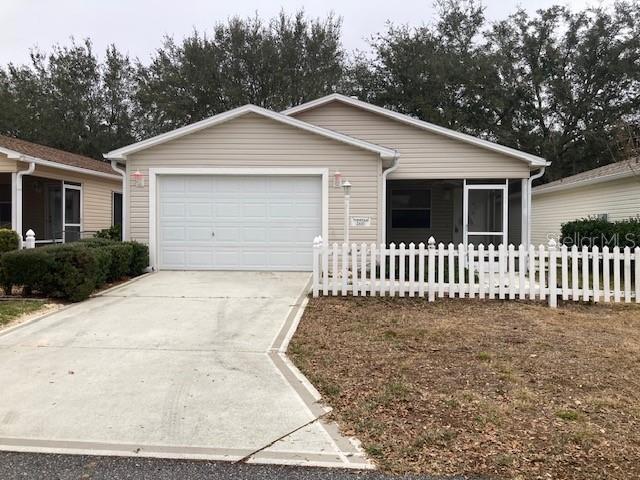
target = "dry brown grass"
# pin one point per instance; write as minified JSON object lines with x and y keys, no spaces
{"x":488,"y":388}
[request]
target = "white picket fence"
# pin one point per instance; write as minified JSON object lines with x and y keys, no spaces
{"x":542,"y":273}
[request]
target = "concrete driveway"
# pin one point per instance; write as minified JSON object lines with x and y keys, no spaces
{"x":175,"y":364}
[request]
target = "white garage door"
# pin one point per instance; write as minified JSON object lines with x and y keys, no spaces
{"x":224,"y":222}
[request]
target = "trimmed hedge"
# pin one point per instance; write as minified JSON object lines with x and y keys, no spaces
{"x":592,"y":231}
{"x":72,"y":271}
{"x":9,"y":240}
{"x":112,"y":233}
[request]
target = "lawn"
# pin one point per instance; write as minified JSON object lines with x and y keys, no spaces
{"x":486,"y":388}
{"x":12,"y":309}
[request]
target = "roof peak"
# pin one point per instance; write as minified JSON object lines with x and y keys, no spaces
{"x":532,"y":160}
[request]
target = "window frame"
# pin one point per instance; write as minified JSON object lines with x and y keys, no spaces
{"x":427,"y":208}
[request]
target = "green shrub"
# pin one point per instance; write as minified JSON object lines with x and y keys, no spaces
{"x":27,"y":268}
{"x":72,"y":271}
{"x":139,"y":259}
{"x":73,"y":274}
{"x":95,"y":242}
{"x":103,"y":265}
{"x":9,"y":240}
{"x":593,"y":231}
{"x":121,"y":257}
{"x":111,"y":233}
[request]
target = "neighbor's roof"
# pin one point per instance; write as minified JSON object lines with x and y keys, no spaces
{"x":121,"y":153}
{"x":512,"y":152}
{"x":27,"y":151}
{"x":612,"y":171}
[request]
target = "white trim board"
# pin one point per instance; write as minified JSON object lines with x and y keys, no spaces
{"x":512,"y":152}
{"x":153,"y":193}
{"x":121,"y":153}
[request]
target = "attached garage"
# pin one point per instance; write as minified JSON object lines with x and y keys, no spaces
{"x":238,"y":222}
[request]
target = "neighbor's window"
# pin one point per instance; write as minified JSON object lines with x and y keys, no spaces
{"x":410,"y":208}
{"x":117,"y":208}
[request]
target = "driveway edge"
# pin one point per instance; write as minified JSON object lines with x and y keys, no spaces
{"x":348,"y":449}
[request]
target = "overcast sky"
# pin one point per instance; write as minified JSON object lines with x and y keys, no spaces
{"x":137,"y":26}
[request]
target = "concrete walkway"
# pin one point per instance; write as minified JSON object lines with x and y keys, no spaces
{"x":175,"y":364}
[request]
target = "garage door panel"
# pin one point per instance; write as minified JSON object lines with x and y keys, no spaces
{"x":260,"y":222}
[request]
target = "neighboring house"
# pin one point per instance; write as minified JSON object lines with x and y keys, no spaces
{"x":611,"y":192}
{"x":59,"y":195}
{"x":250,"y":188}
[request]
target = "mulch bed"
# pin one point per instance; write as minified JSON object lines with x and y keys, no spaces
{"x":480,"y":388}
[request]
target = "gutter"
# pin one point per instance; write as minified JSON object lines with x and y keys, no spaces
{"x":529,"y":209}
{"x":383,"y":209}
{"x":125,"y":197}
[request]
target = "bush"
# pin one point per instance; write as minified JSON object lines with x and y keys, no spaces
{"x":61,"y":271}
{"x":593,"y":231}
{"x":121,"y":256}
{"x":111,"y":233}
{"x":139,"y":260}
{"x":9,"y":240}
{"x":95,"y":242}
{"x":27,"y":268}
{"x":73,"y":274}
{"x":72,"y":271}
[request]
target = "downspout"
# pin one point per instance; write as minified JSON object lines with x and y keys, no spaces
{"x":19,"y":175}
{"x":529,"y":210}
{"x":125,"y":197}
{"x":383,"y":209}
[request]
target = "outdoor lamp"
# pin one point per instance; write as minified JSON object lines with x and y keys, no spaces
{"x":346,"y":186}
{"x":138,"y":177}
{"x":337,"y":180}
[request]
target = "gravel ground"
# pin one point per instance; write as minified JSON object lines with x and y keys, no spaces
{"x":14,"y":466}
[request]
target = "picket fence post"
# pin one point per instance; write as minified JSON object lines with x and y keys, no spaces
{"x":317,"y":250}
{"x":553,"y":295}
{"x":431,"y":269}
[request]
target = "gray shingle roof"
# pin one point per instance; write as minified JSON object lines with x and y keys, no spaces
{"x":631,"y":166}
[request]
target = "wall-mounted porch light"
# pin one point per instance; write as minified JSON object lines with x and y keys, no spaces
{"x":138,"y":177}
{"x":337,"y":180}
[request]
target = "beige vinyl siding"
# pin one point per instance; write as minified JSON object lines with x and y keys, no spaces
{"x":256,"y":141}
{"x":619,"y":199}
{"x":7,"y":164}
{"x":97,"y":205}
{"x":422,"y":154}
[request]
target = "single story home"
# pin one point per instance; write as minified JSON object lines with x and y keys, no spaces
{"x":611,"y":192}
{"x":250,"y":188}
{"x":59,"y":195}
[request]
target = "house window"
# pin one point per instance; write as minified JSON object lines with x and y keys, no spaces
{"x":410,"y":208}
{"x":117,"y":208}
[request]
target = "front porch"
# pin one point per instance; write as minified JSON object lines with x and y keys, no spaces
{"x":51,"y":207}
{"x":457,"y":211}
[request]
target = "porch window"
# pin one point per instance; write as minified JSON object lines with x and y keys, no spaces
{"x":117,"y":208}
{"x":410,"y":208}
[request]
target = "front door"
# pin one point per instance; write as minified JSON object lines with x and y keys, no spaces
{"x":485,"y":213}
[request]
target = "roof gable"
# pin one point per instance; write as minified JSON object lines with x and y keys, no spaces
{"x":336,"y":97}
{"x":121,"y":153}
